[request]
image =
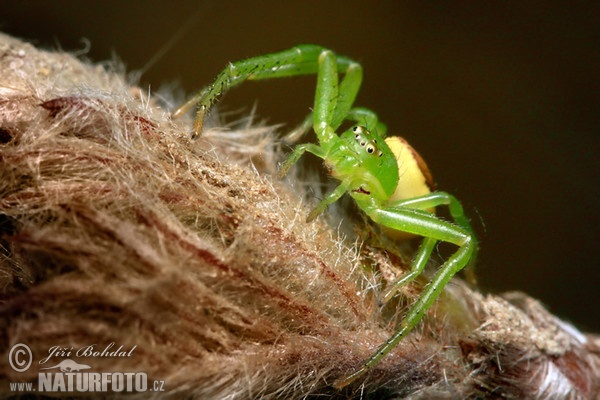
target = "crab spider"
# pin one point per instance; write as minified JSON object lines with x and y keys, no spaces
{"x":388,"y":180}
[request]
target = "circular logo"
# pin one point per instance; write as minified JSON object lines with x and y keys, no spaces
{"x":20,"y":357}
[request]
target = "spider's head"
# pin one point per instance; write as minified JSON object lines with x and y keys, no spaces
{"x":373,"y":170}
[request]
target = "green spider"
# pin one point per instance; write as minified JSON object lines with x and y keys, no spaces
{"x":388,"y":180}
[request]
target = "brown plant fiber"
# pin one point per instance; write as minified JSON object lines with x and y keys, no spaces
{"x":117,"y":227}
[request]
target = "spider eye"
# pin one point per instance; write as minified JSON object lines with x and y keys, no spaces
{"x":370,"y":149}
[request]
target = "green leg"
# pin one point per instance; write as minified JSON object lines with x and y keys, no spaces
{"x":332,"y":101}
{"x":454,"y":264}
{"x":347,"y":93}
{"x":299,"y":60}
{"x":428,"y":202}
{"x":327,"y":200}
{"x":326,"y":95}
{"x":427,"y":225}
{"x":418,"y":222}
{"x":418,"y":265}
{"x":318,"y":151}
{"x":435,"y":199}
{"x":295,"y":156}
{"x":300,"y":130}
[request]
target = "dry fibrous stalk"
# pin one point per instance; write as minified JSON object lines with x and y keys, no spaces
{"x":117,"y":227}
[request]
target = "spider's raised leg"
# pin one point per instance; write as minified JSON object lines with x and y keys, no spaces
{"x":299,"y":60}
{"x":333,"y":102}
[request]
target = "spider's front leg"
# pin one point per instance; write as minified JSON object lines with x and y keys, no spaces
{"x":410,"y":216}
{"x":299,"y":60}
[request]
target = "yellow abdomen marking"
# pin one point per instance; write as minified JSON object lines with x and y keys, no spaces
{"x":414,"y":178}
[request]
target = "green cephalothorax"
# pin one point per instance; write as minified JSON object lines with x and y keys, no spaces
{"x":358,"y":161}
{"x":386,"y":177}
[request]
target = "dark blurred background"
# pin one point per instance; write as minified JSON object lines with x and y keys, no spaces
{"x":501,"y":98}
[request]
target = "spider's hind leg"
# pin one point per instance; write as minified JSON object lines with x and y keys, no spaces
{"x":435,"y":199}
{"x":418,"y":265}
{"x":407,"y":216}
